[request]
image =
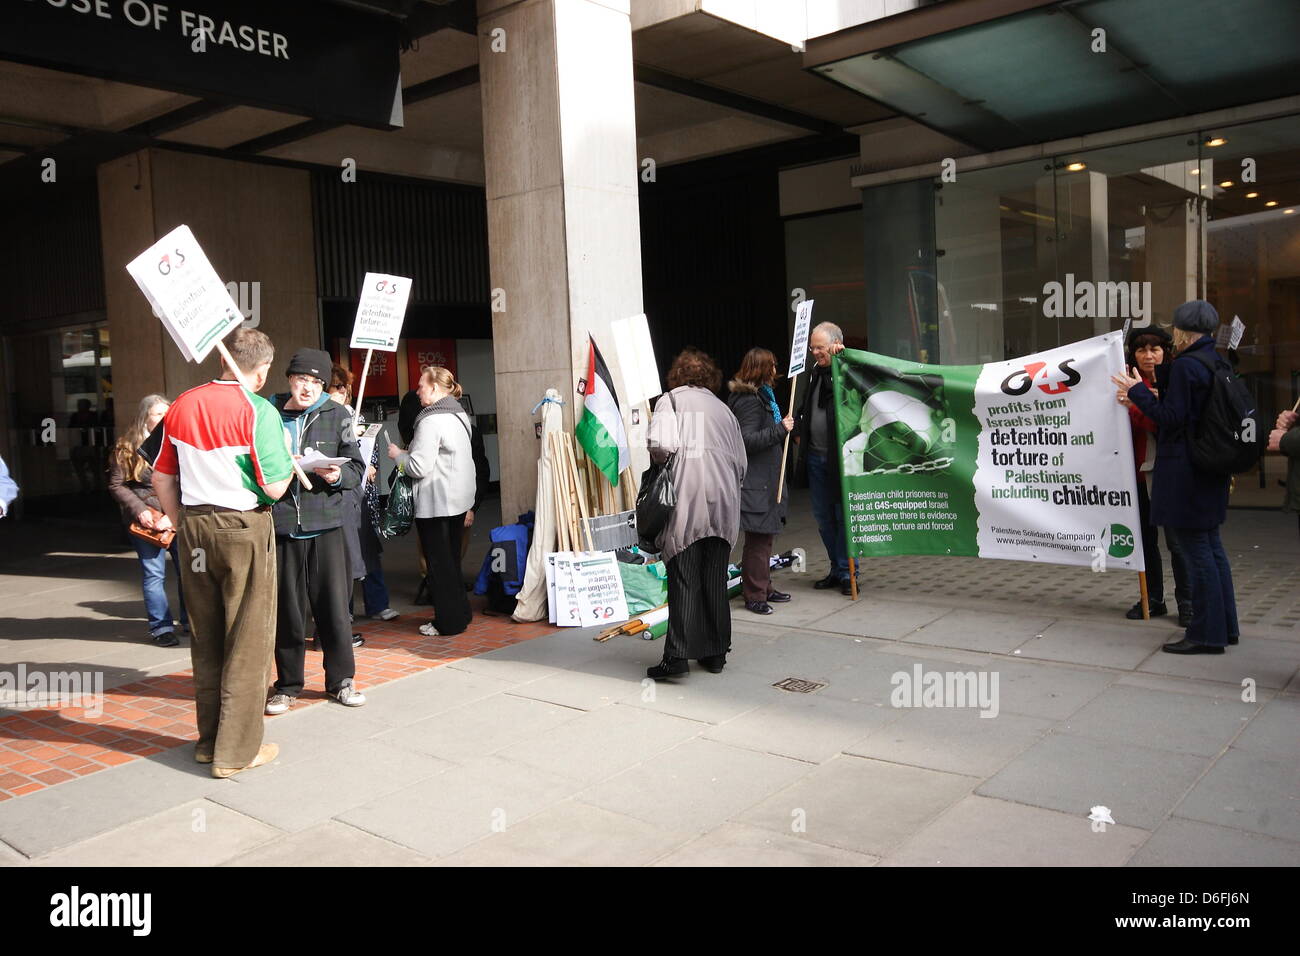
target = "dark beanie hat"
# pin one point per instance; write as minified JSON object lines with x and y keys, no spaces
{"x":314,"y":362}
{"x":1196,"y":316}
{"x":1151,"y":331}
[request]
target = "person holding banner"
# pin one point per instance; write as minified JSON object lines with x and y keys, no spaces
{"x":441,"y":463}
{"x":819,"y":461}
{"x":1285,"y":439}
{"x":1150,"y":351}
{"x":1189,"y":503}
{"x":709,"y":463}
{"x":310,"y":545}
{"x":763,"y":430}
{"x":219,"y":461}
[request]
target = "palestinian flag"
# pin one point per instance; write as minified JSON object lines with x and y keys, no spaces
{"x":600,"y":432}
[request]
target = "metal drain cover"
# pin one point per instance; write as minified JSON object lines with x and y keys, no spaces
{"x":797,"y":685}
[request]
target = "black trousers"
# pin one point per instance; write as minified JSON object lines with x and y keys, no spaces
{"x":1155,"y":566}
{"x":440,"y":541}
{"x":699,"y":614}
{"x":314,"y":578}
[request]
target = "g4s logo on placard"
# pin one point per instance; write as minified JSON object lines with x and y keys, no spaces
{"x":389,"y":288}
{"x":165,"y":263}
{"x":1020,"y":381}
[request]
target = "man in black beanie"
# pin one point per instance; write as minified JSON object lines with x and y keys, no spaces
{"x":309,"y":543}
{"x":1189,"y":503}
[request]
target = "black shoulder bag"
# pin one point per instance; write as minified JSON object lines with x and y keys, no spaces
{"x":658,"y":497}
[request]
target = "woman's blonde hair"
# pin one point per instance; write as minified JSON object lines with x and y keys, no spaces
{"x":132,"y":465}
{"x":437,"y":375}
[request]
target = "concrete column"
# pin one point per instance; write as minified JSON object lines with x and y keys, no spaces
{"x":1173,"y":253}
{"x":559,"y":143}
{"x":254,"y":221}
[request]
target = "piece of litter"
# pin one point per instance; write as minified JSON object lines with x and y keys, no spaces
{"x":1016,"y":651}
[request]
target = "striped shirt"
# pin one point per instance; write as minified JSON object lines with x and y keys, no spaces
{"x":224,"y":442}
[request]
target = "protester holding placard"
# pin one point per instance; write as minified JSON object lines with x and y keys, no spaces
{"x":219,"y":460}
{"x":130,"y":482}
{"x":1285,"y":438}
{"x":763,"y":430}
{"x":441,"y":463}
{"x":1188,"y":502}
{"x":1150,"y":352}
{"x":708,"y":469}
{"x":310,"y":544}
{"x":819,"y":461}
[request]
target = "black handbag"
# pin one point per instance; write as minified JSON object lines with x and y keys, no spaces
{"x":658,"y":497}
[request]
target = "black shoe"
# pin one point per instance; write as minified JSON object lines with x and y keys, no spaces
{"x":1233,"y":639}
{"x":357,"y":640}
{"x":758,"y":607}
{"x":166,"y":639}
{"x":1184,"y":617}
{"x":715,"y":664}
{"x":830,"y":581}
{"x":777,"y":597}
{"x":677,"y":667}
{"x":1190,"y":647}
{"x":1157,"y":609}
{"x":846,"y":587}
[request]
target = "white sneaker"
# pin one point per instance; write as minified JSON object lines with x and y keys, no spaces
{"x":387,"y":614}
{"x":428,"y":630}
{"x":278,"y":704}
{"x":349,"y":696}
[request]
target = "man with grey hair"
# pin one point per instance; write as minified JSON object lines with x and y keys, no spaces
{"x":819,"y":458}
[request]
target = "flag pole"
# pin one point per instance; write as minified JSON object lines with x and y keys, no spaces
{"x":239,"y":377}
{"x":1142,"y":589}
{"x":361,"y":389}
{"x":780,"y":484}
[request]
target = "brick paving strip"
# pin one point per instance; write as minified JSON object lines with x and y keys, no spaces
{"x":43,"y":748}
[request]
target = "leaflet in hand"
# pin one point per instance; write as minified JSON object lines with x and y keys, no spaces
{"x":311,"y":458}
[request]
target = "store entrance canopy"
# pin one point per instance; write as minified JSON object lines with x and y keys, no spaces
{"x":1067,"y":68}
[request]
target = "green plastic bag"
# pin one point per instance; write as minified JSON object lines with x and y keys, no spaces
{"x":645,"y":586}
{"x":400,"y":513}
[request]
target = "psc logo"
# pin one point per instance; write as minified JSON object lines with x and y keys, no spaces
{"x":165,"y":263}
{"x":1118,"y":540}
{"x":1019,"y":381}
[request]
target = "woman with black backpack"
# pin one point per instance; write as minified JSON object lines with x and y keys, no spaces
{"x":1189,"y":501}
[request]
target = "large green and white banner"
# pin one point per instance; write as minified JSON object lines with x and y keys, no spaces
{"x":1029,"y":459}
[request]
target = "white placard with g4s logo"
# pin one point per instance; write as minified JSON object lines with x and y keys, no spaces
{"x":380,"y":312}
{"x":186,"y":293}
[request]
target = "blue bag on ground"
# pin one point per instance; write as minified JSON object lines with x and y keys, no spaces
{"x":502,"y":573}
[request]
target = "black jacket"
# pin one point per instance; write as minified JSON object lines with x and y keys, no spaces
{"x":803,"y":430}
{"x":326,"y":427}
{"x":764,"y":440}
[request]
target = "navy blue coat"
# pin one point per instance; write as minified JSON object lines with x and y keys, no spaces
{"x":1181,"y":496}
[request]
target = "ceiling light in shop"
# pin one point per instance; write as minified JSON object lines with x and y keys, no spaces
{"x":1076,"y":167}
{"x":1287,"y":212}
{"x":1252,"y":195}
{"x":1271,"y":203}
{"x":1196,"y":172}
{"x":1226,"y":184}
{"x":1216,"y":141}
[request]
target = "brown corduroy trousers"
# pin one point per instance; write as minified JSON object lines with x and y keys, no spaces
{"x":229,"y":575}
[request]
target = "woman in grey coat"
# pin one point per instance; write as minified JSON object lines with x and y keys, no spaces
{"x":763,"y":429}
{"x":708,"y":469}
{"x":442,"y":465}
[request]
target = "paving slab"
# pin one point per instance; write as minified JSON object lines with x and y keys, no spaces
{"x":1073,"y":774}
{"x":1188,"y":843}
{"x":197,"y":833}
{"x":1268,"y":663}
{"x":695,"y":786}
{"x":957,"y":740}
{"x":11,"y":857}
{"x":331,"y":845}
{"x":872,"y":617}
{"x":738,"y":845}
{"x":571,"y":834}
{"x":980,"y":831}
{"x":77,"y":810}
{"x":479,"y":728}
{"x":602,"y":743}
{"x":705,"y":697}
{"x":1275,"y":730}
{"x":433,"y":692}
{"x":1182,"y":723}
{"x":980,"y":631}
{"x":1052,"y":692}
{"x":805,"y":727}
{"x":443,"y":814}
{"x":1248,"y":791}
{"x":315,"y":731}
{"x":588,"y":686}
{"x":1192,"y":685}
{"x":866,"y":806}
{"x":501,"y":668}
{"x":1099,"y":645}
{"x":806,"y":605}
{"x":296,"y":796}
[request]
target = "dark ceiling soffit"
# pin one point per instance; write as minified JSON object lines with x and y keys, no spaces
{"x":734,"y":101}
{"x":437,"y":86}
{"x":774,"y":156}
{"x":175,"y":119}
{"x":913,"y":25}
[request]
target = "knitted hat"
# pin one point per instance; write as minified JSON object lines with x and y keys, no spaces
{"x":1196,"y":316}
{"x":313,"y":362}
